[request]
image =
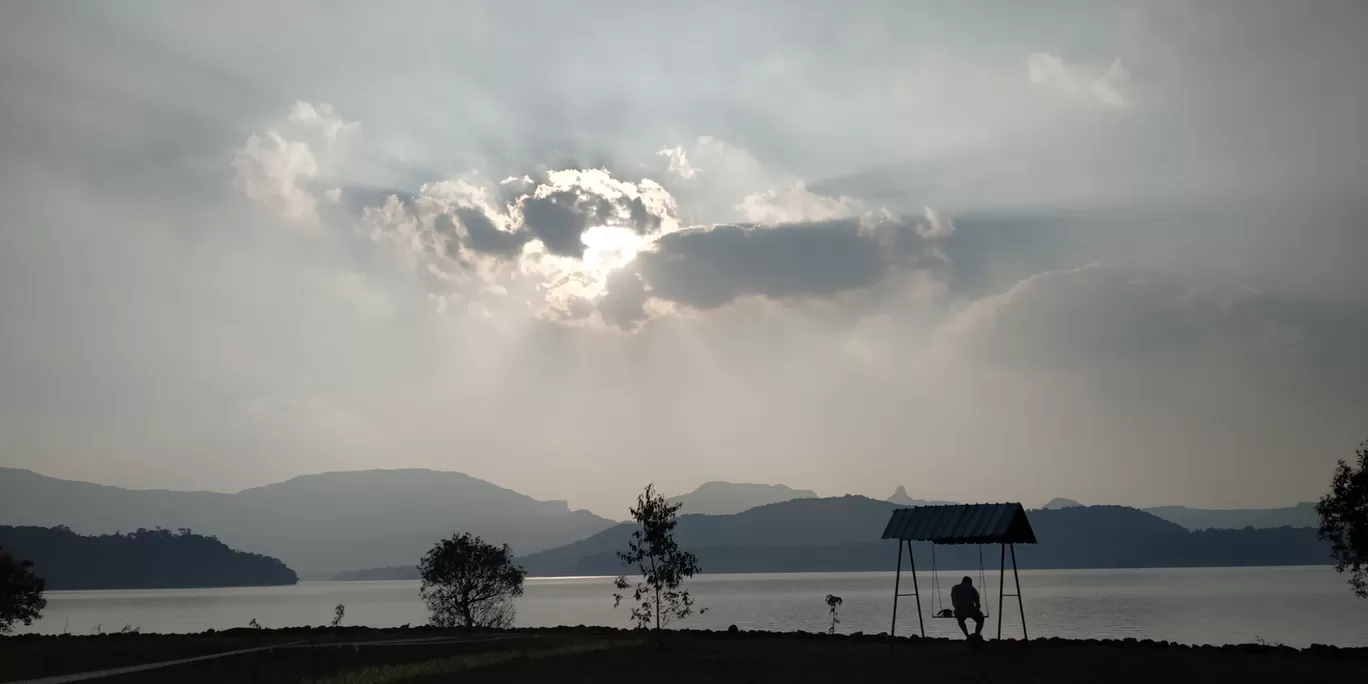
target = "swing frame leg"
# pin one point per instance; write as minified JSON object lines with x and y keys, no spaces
{"x":1002,"y":574}
{"x":916,"y":590}
{"x":1016,"y":577}
{"x":897,"y":587}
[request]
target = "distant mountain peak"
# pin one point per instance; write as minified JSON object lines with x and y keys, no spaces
{"x":901,"y":498}
{"x":1060,"y":502}
{"x":717,"y":497}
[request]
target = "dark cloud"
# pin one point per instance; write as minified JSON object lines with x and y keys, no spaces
{"x":560,"y":218}
{"x":1098,"y":321}
{"x":557,"y":221}
{"x":624,"y":304}
{"x":709,"y":267}
{"x":487,"y":238}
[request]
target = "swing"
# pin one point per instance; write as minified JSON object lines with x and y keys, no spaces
{"x":1004,"y":524}
{"x":940,"y":611}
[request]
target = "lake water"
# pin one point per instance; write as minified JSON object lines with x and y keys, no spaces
{"x":1293,"y":606}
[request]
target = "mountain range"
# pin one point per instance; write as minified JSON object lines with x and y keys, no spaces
{"x":1301,"y":515}
{"x":327,"y":522}
{"x":842,"y":534}
{"x":367,"y":520}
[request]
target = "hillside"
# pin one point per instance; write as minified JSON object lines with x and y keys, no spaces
{"x":1301,"y":515}
{"x":329,"y":522}
{"x":726,"y":498}
{"x":843,"y":534}
{"x":144,"y":559}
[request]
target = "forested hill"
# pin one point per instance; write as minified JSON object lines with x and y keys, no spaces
{"x":145,"y":559}
{"x":842,"y":534}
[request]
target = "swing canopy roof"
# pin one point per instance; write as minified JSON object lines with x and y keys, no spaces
{"x":998,"y":523}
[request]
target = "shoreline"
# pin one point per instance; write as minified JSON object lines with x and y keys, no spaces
{"x":419,"y":631}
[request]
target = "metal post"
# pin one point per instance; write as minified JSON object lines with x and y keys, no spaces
{"x":916,"y":589}
{"x":1002,"y":574}
{"x":897,"y":582}
{"x":1022,"y":606}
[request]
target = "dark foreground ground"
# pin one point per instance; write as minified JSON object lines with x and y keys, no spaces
{"x":605,"y":656}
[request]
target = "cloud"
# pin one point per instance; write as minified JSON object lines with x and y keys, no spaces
{"x":323,"y":119}
{"x":274,"y":171}
{"x":1100,"y":321}
{"x":582,"y":245}
{"x":483,"y":235}
{"x":1103,"y":87}
{"x":796,"y":204}
{"x":277,"y":171}
{"x":936,"y":226}
{"x":705,"y":268}
{"x":679,"y":162}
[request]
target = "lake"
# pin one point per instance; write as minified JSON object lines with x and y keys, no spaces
{"x":1296,"y":606}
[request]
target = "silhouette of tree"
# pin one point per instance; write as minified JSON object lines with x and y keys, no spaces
{"x":469,"y":583}
{"x":663,"y":566}
{"x":1344,"y":520}
{"x":21,"y":593}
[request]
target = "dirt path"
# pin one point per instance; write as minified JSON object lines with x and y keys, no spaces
{"x":131,"y":669}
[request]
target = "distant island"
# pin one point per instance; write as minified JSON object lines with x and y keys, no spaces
{"x":143,"y":559}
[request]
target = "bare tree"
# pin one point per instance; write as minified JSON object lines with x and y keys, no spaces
{"x":1344,"y":520}
{"x":657,"y":598}
{"x":833,"y":602}
{"x":469,"y":583}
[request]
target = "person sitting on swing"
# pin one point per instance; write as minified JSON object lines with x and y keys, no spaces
{"x":965,"y":599}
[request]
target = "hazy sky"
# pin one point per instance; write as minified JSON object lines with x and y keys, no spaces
{"x":988,"y":250}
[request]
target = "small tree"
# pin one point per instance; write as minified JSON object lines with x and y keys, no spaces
{"x":21,"y":593}
{"x":657,"y":597}
{"x":338,"y":613}
{"x":833,"y":602}
{"x":1344,"y":520}
{"x":469,"y":583}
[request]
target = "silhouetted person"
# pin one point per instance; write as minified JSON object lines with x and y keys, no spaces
{"x":965,"y":598}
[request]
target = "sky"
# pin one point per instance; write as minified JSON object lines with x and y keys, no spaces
{"x":1111,"y":251}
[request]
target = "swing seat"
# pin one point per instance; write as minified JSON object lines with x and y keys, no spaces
{"x":948,"y":613}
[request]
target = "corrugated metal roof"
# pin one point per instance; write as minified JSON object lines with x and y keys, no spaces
{"x":962,"y":524}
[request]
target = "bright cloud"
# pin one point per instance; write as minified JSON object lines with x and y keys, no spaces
{"x":1103,"y":87}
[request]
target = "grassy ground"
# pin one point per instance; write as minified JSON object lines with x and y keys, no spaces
{"x":786,"y":659}
{"x":604,"y":656}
